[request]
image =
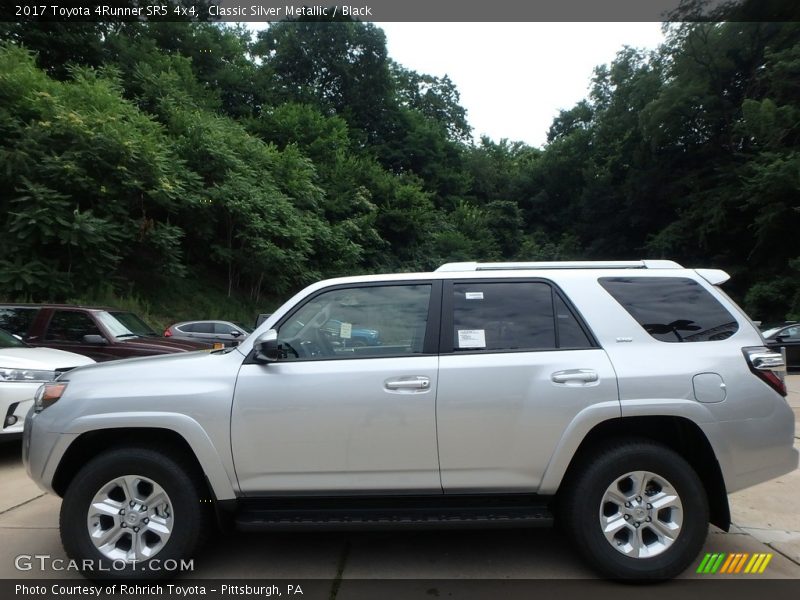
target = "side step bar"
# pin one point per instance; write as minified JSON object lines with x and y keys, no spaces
{"x":408,"y":512}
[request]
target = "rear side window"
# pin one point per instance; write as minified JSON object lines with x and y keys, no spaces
{"x":672,"y":309}
{"x":201,"y":327}
{"x":512,"y":316}
{"x":17,"y":320}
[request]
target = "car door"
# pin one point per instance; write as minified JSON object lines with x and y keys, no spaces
{"x":516,"y":366}
{"x":339,"y":419}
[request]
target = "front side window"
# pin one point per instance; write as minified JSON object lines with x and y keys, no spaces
{"x":358,"y":322}
{"x":672,"y":309}
{"x":70,"y":326}
{"x":513,"y":316}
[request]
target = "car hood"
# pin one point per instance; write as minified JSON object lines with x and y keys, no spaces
{"x":41,"y":358}
{"x":157,"y":344}
{"x":170,"y":366}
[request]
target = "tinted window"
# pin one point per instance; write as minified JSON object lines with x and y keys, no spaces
{"x":672,"y":309}
{"x":70,"y":326}
{"x":17,"y":320}
{"x":570,"y":333}
{"x":223,"y":328}
{"x":503,"y":316}
{"x":203,"y":327}
{"x":187,"y":328}
{"x":357,"y":323}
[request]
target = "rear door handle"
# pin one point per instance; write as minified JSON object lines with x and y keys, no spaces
{"x":408,"y":383}
{"x":574,"y":376}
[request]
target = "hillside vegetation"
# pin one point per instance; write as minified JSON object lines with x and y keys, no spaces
{"x":196,"y":170}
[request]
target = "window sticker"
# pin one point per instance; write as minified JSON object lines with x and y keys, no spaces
{"x":471,"y":338}
{"x":346,"y":331}
{"x":474,"y":295}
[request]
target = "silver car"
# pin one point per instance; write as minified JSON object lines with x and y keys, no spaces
{"x":624,"y":399}
{"x":226,"y":333}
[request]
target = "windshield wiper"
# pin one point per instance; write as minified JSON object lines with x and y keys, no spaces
{"x":126,"y":335}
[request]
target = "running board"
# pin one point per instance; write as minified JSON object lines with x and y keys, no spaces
{"x":407,"y":512}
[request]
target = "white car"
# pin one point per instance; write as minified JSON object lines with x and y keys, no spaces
{"x":22,"y":370}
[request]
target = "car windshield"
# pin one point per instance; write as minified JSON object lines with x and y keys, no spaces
{"x":125,"y":324}
{"x":9,"y":341}
{"x":770,"y":332}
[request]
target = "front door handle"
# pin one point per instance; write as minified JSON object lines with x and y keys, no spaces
{"x":408,"y":383}
{"x":574,"y":376}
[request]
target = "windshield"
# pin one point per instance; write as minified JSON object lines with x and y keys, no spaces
{"x":9,"y":341}
{"x":125,"y":324}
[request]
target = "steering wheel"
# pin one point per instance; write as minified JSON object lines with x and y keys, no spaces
{"x":316,"y":345}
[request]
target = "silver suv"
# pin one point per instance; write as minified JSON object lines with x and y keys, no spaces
{"x":624,"y":400}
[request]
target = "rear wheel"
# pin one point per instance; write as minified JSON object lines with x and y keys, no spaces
{"x":636,"y":510}
{"x":133,"y":513}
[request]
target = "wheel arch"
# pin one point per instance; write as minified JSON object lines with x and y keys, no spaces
{"x":91,"y":443}
{"x":677,"y":433}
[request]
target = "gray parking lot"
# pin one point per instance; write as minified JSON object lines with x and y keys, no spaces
{"x":766,"y":521}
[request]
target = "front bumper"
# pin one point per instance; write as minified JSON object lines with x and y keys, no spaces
{"x":38,"y":446}
{"x":16,"y":398}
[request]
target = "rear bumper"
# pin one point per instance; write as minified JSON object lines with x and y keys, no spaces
{"x":786,"y":464}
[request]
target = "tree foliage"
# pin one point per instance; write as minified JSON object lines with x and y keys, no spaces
{"x":140,"y":153}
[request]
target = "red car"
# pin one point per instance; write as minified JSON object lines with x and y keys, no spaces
{"x":99,"y":333}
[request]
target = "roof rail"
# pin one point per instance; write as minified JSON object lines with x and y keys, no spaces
{"x":576,"y":264}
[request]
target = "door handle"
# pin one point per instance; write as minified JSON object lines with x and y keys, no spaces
{"x":408,"y":383}
{"x":574,"y":376}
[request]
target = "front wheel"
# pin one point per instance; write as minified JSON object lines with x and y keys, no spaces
{"x":636,"y":510}
{"x":132,"y":513}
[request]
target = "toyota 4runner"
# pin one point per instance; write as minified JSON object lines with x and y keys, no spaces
{"x":624,"y":400}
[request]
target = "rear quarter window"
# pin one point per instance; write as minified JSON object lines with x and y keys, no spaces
{"x":672,"y":309}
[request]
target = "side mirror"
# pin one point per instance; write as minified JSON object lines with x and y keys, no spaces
{"x":779,"y":338}
{"x":267,"y":349}
{"x":96,"y":340}
{"x":236,"y":333}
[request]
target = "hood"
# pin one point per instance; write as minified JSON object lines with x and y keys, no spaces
{"x":172,"y":364}
{"x":48,"y":359}
{"x":156,"y":344}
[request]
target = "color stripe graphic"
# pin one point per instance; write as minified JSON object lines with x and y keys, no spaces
{"x":734,"y":563}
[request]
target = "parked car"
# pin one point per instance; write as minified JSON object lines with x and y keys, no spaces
{"x":23,"y":370}
{"x":227,"y":333}
{"x":787,"y":337}
{"x":625,"y":399}
{"x":99,"y":333}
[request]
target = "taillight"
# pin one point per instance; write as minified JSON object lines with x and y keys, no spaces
{"x":769,"y":365}
{"x":167,"y":333}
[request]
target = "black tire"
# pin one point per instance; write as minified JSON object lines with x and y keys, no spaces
{"x":581,"y":500}
{"x":182,"y":484}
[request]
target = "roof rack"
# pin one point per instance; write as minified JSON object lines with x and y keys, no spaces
{"x":577,"y":264}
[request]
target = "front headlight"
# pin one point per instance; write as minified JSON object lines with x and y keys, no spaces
{"x":26,"y":375}
{"x":47,"y":395}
